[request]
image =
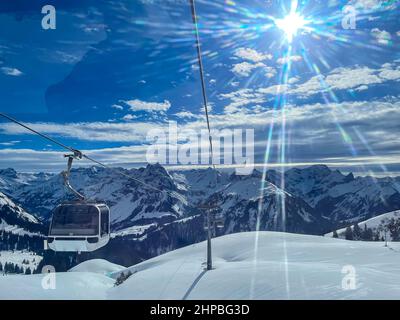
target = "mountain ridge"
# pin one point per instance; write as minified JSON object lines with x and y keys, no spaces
{"x":313,"y":200}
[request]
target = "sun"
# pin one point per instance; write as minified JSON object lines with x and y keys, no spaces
{"x":291,"y":24}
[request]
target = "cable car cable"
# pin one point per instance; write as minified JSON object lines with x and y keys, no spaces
{"x":38,"y":133}
{"x":79,"y":155}
{"x":210,"y":206}
{"x":123,"y":174}
{"x":205,"y":101}
{"x":82,"y":155}
{"x":203,"y":84}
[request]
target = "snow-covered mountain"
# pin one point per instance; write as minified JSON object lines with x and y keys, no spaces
{"x":147,"y":223}
{"x":342,"y":199}
{"x":11,"y":180}
{"x":130,"y":201}
{"x":15,"y":219}
{"x":315,"y":193}
{"x":21,"y":238}
{"x":240,"y":199}
{"x":200,"y":184}
{"x":248,"y":265}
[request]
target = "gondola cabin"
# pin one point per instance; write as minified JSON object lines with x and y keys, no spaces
{"x":79,"y":227}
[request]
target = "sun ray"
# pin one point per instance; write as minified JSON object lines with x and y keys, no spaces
{"x":292,"y":23}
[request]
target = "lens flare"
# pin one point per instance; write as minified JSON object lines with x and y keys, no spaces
{"x":291,"y":24}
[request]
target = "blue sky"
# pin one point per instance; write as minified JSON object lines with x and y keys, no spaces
{"x":113,"y":70}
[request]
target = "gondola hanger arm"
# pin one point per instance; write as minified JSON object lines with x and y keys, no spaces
{"x":66,"y":174}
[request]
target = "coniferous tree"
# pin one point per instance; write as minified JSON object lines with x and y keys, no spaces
{"x":367,"y":234}
{"x":394,"y":229}
{"x":122,"y":277}
{"x":335,"y":234}
{"x":348,"y":233}
{"x":356,"y":232}
{"x":9,"y":268}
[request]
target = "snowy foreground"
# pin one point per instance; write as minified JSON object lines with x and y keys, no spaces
{"x":283,"y":266}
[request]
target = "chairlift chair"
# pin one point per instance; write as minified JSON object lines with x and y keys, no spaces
{"x":219,"y":223}
{"x":216,"y":220}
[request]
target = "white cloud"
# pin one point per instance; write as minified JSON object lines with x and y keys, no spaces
{"x":373,"y":5}
{"x":11,"y":71}
{"x":285,"y":60}
{"x":129,"y":117}
{"x":117,"y":106}
{"x":244,"y":69}
{"x":274,"y":90}
{"x":254,"y":61}
{"x":390,"y":74}
{"x":361,"y":88}
{"x":240,"y":99}
{"x":366,"y":4}
{"x":270,"y":72}
{"x":65,"y":57}
{"x":245,"y":97}
{"x":252,"y":55}
{"x":348,"y":78}
{"x":138,"y":105}
{"x":381,"y":36}
{"x":185,"y":114}
{"x":53,"y":161}
{"x":9,"y":143}
{"x":356,"y":78}
{"x":310,"y":125}
{"x":293,"y":80}
{"x":89,"y":131}
{"x":398,"y":33}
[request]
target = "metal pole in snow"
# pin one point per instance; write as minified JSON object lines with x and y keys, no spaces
{"x":209,"y":236}
{"x":209,"y":225}
{"x":386,"y":238}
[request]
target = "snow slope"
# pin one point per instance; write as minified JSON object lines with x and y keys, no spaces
{"x":97,"y":266}
{"x":283,"y":266}
{"x":14,"y":219}
{"x":68,"y":286}
{"x":4,"y":226}
{"x":31,"y":259}
{"x":19,"y":212}
{"x":372,"y":223}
